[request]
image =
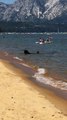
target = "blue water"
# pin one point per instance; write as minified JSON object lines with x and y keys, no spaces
{"x":52,"y":57}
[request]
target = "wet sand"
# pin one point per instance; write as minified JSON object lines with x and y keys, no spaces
{"x":22,"y":99}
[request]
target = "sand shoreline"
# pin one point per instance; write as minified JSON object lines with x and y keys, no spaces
{"x":21,"y":99}
{"x":30,"y":71}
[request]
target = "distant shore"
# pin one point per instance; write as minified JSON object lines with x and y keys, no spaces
{"x":32,"y":27}
{"x":20,"y":98}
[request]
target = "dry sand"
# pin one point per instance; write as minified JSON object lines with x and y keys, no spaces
{"x":21,"y":99}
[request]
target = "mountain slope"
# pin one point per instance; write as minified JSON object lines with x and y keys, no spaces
{"x":3,"y":8}
{"x":31,"y":10}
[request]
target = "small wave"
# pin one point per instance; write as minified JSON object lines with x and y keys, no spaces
{"x":49,"y":81}
{"x":41,"y":71}
{"x":17,"y":58}
{"x":25,"y":65}
{"x":6,"y":53}
{"x":22,"y":63}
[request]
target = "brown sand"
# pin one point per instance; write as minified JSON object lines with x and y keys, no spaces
{"x":21,"y":99}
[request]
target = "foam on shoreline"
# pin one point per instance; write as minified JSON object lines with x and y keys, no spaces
{"x":49,"y":81}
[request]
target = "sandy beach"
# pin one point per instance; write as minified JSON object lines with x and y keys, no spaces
{"x":21,"y":99}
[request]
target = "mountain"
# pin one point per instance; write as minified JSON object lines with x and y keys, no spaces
{"x":34,"y":10}
{"x":3,"y":8}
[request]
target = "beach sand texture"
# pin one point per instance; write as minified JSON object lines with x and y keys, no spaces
{"x":21,"y":101}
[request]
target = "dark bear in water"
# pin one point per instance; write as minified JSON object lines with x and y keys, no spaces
{"x":37,"y":52}
{"x":26,"y":52}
